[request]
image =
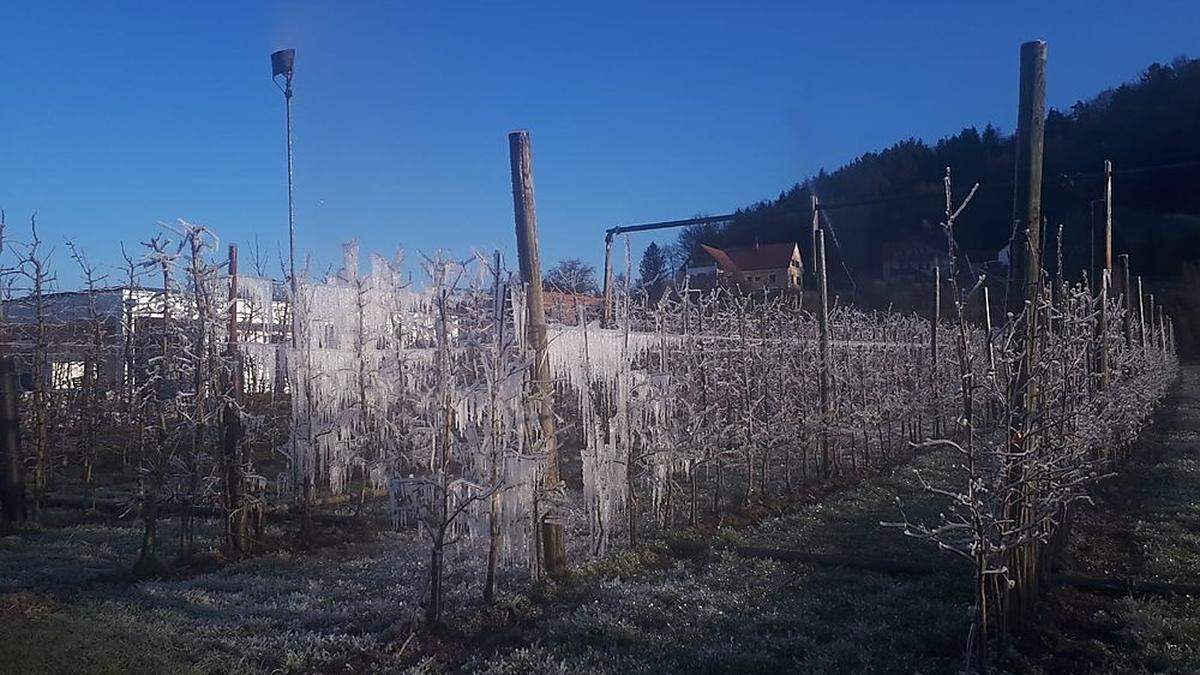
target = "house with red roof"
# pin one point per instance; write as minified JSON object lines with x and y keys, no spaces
{"x":773,"y":267}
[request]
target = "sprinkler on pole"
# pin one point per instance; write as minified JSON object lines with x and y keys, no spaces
{"x":281,"y":67}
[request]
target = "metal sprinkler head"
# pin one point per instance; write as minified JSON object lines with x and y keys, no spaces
{"x":282,"y":62}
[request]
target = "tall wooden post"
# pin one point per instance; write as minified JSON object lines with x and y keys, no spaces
{"x":1141,"y":314}
{"x":987,"y":325}
{"x":1162,"y":329}
{"x":232,"y":336}
{"x":1102,"y":332}
{"x":608,"y":280}
{"x":1124,"y":297}
{"x":1150,"y":321}
{"x":236,"y":532}
{"x":553,"y":553}
{"x":933,"y":348}
{"x":1025,"y":288}
{"x":826,"y":360}
{"x":1027,"y":197}
{"x":12,"y":459}
{"x":1108,"y":216}
{"x":12,"y":469}
{"x":1106,"y":276}
{"x":816,"y":225}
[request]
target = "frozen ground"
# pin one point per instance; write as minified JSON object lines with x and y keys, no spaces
{"x":279,"y":611}
{"x":64,"y":607}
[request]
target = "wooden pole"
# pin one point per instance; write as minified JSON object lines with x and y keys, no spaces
{"x":823,"y":326}
{"x":608,"y":280}
{"x":1108,"y":216}
{"x":525,"y":214}
{"x":236,"y":532}
{"x":1027,"y":197}
{"x":12,"y":469}
{"x":933,"y":347}
{"x":1162,"y":329}
{"x":1124,"y":296}
{"x":232,"y":336}
{"x":1150,"y":321}
{"x":816,"y":226}
{"x":1025,"y":287}
{"x":1141,"y":312}
{"x":987,"y":323}
{"x":12,"y":458}
{"x":1102,"y":332}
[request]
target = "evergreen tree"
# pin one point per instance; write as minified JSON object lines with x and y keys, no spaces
{"x":653,"y":272}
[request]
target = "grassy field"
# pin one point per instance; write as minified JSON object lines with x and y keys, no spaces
{"x":351,"y":607}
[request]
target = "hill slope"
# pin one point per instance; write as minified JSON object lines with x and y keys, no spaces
{"x":1153,"y":122}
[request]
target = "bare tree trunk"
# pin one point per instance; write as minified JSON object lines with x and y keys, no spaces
{"x":489,"y":584}
{"x":147,"y":564}
{"x":433,"y":606}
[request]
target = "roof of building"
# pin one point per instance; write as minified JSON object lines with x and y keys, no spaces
{"x":754,"y":257}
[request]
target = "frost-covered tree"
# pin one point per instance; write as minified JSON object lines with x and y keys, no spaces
{"x":1060,"y":419}
{"x":95,"y":328}
{"x":572,"y":276}
{"x":37,"y":277}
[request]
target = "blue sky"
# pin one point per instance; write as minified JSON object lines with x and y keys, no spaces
{"x":114,"y":116}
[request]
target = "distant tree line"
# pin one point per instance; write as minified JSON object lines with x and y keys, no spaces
{"x":574,"y":276}
{"x":881,"y":201}
{"x":1152,"y":122}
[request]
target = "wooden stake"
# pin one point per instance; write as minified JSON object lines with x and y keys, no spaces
{"x":1108,"y":216}
{"x":1025,"y":288}
{"x":1150,"y":321}
{"x":933,"y":345}
{"x":816,"y":227}
{"x":823,"y":326}
{"x":236,"y":521}
{"x":1141,"y":312}
{"x":608,"y":280}
{"x":12,"y":470}
{"x":1027,"y":201}
{"x":1124,"y":296}
{"x":987,"y":322}
{"x":1162,"y":329}
{"x":1102,"y":333}
{"x":525,"y":214}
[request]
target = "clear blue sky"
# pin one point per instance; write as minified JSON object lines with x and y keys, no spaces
{"x":114,"y":116}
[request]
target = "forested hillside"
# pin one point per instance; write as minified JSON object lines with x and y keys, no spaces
{"x":1150,"y":129}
